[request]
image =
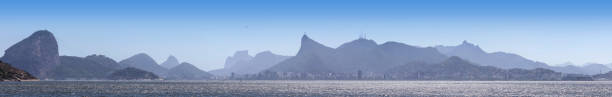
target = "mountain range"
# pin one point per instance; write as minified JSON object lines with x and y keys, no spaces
{"x":504,"y":60}
{"x":243,"y":63}
{"x":186,"y":71}
{"x":361,"y":54}
{"x":455,"y":68}
{"x":588,"y":69}
{"x":365,"y":59}
{"x":144,"y":62}
{"x":38,"y":55}
{"x":168,"y":69}
{"x":92,"y":67}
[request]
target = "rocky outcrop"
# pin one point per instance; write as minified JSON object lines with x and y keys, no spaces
{"x":171,"y":62}
{"x":240,"y":57}
{"x":36,"y":54}
{"x":131,"y":73}
{"x":10,"y":73}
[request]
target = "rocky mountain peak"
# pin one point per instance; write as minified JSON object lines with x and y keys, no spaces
{"x":464,"y":47}
{"x":465,"y":42}
{"x":239,"y":56}
{"x":170,"y":62}
{"x":309,"y":46}
{"x":242,"y":54}
{"x":36,"y":54}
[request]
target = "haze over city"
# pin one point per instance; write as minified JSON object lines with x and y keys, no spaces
{"x":204,"y":33}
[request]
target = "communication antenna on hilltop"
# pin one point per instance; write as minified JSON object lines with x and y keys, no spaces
{"x":362,"y":35}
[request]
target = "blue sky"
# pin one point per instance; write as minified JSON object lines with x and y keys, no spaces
{"x":205,"y":32}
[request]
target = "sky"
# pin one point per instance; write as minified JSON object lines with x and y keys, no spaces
{"x":205,"y":32}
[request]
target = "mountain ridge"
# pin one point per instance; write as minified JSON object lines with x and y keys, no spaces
{"x":503,"y":60}
{"x":249,"y":65}
{"x":187,"y":71}
{"x":359,"y":54}
{"x":144,"y":62}
{"x":36,"y":54}
{"x":170,"y":62}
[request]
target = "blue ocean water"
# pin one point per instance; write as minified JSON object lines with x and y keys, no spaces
{"x":304,"y":88}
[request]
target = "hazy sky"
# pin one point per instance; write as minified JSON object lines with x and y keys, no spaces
{"x":205,"y":32}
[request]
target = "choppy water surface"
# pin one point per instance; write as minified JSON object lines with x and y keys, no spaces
{"x":305,"y":88}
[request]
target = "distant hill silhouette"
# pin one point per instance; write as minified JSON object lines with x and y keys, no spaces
{"x":39,"y":55}
{"x":36,"y":54}
{"x":589,"y":69}
{"x":131,"y":73}
{"x":186,"y":71}
{"x":243,"y":63}
{"x":240,"y":57}
{"x":361,"y":54}
{"x":456,"y":68}
{"x":473,"y":53}
{"x":170,"y":62}
{"x":144,"y":62}
{"x":604,"y":76}
{"x":365,"y":59}
{"x":90,"y":67}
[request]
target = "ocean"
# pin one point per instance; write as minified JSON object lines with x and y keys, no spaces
{"x":304,"y":88}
